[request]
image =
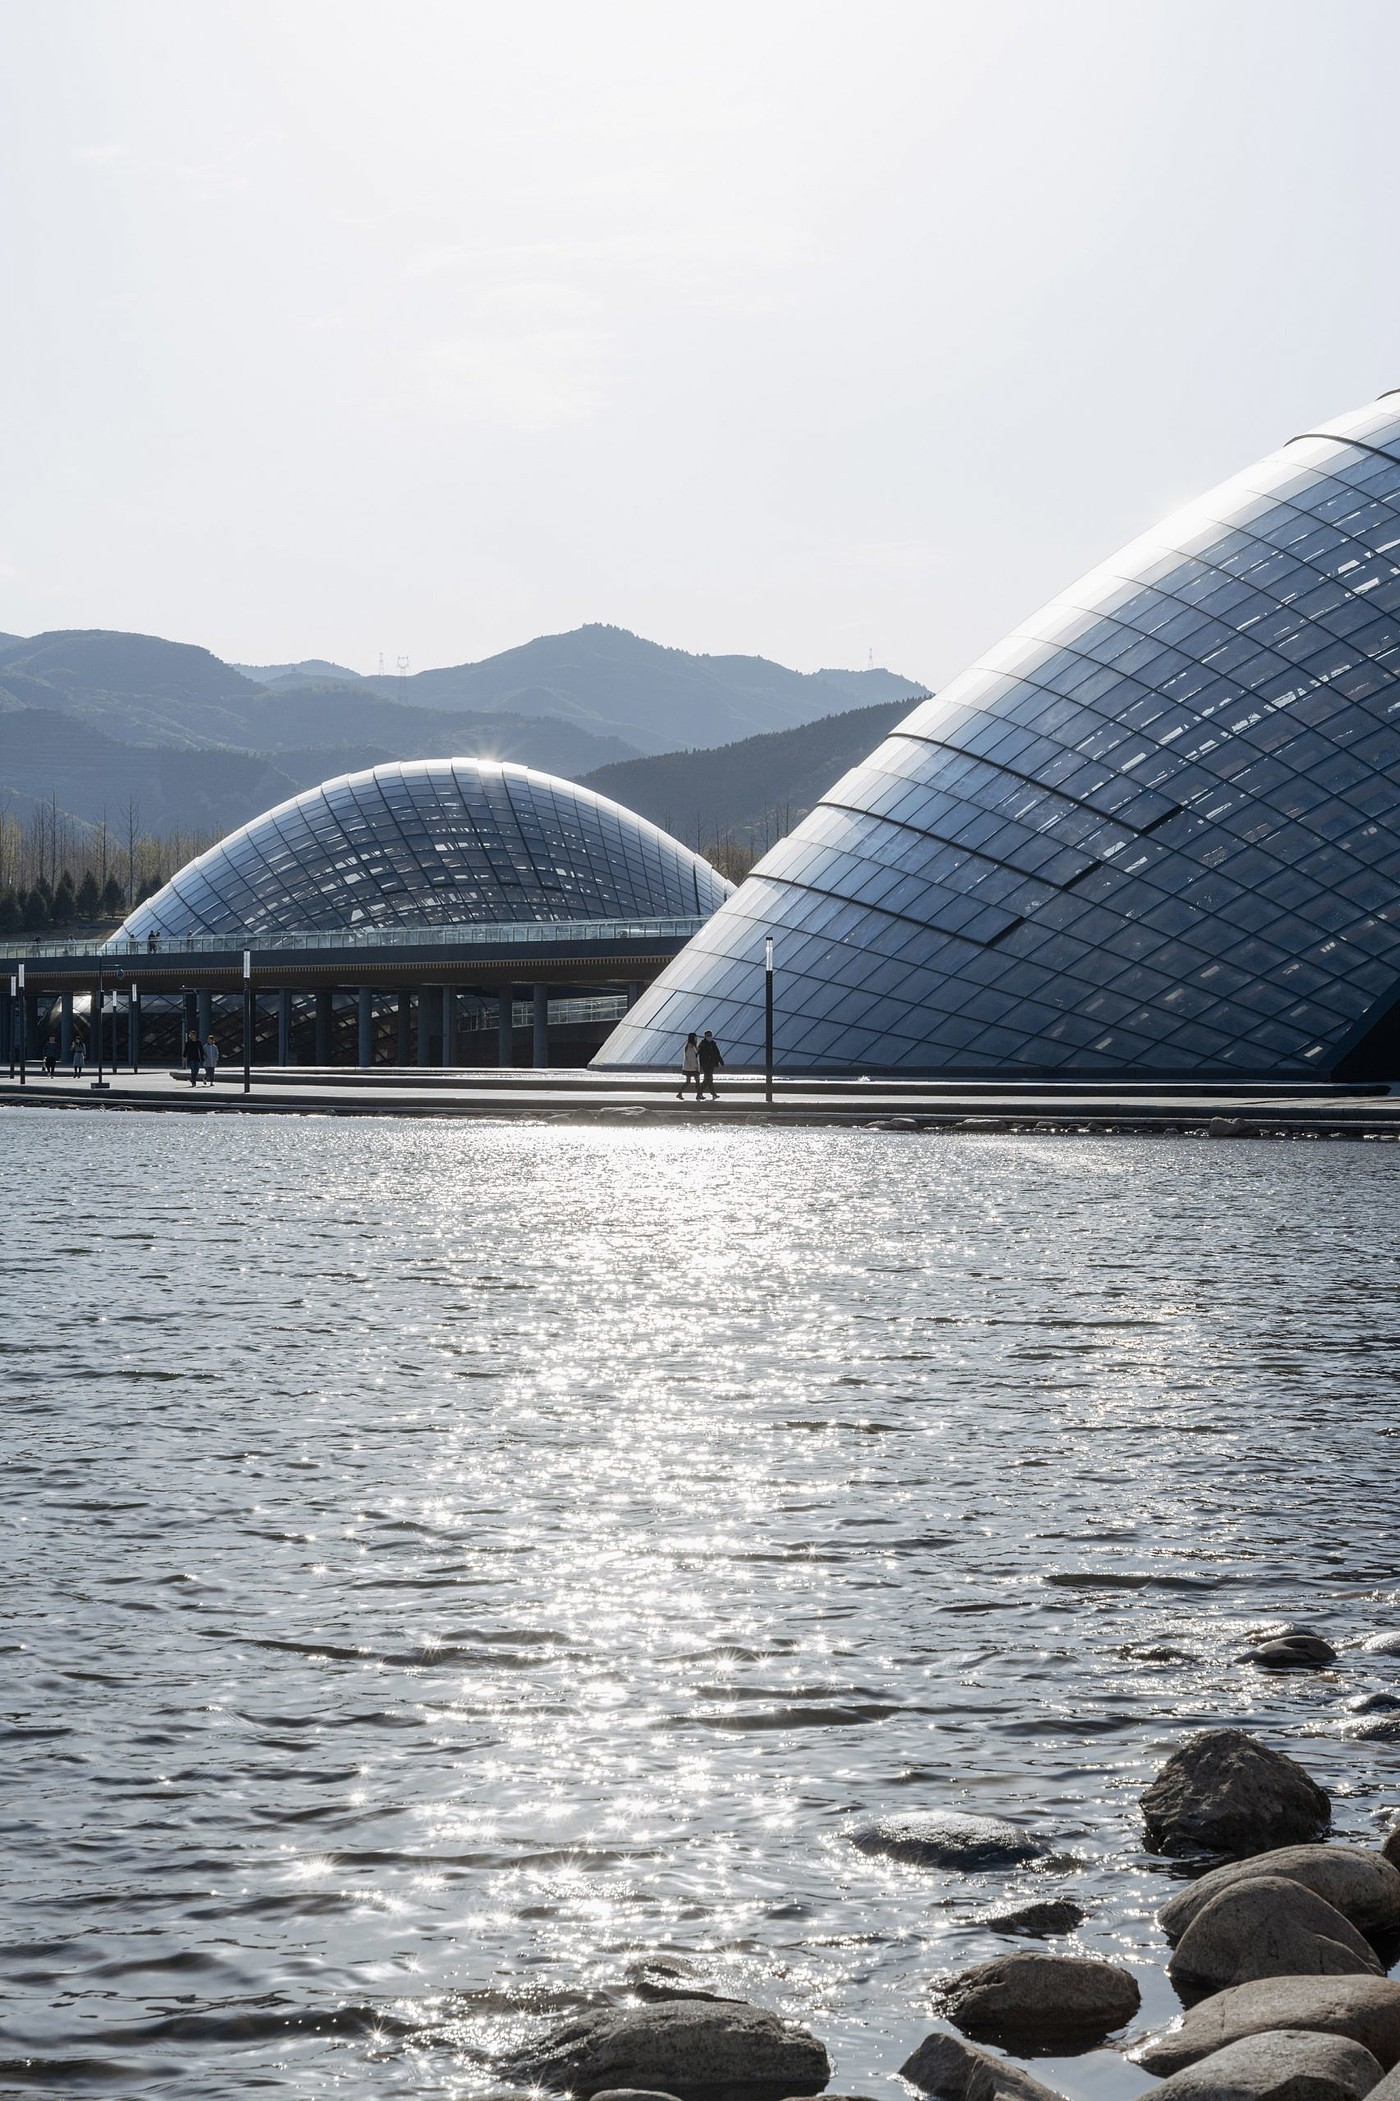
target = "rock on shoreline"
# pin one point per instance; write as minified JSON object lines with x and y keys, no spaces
{"x":1225,"y":1792}
{"x":693,"y":2049}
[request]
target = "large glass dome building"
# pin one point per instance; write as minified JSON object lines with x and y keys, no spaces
{"x":432,"y":843}
{"x":1155,"y":832}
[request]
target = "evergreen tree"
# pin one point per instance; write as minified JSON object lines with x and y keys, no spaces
{"x":113,"y":899}
{"x":65,"y":904}
{"x":11,"y":912}
{"x":36,"y":910}
{"x":89,"y":898}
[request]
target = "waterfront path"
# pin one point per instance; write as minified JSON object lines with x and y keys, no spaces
{"x":582,"y":1096}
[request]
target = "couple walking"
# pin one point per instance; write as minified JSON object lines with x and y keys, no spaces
{"x":699,"y":1061}
{"x":199,"y":1054}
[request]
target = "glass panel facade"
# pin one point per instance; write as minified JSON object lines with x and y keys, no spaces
{"x":432,"y":843}
{"x":1155,"y":831}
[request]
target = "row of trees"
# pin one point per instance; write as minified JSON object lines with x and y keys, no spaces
{"x":59,"y":874}
{"x":70,"y":906}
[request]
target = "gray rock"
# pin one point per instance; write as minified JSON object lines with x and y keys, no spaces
{"x":1373,"y":1703}
{"x":957,"y":2071}
{"x":1053,"y":1915}
{"x":1365,"y":2008}
{"x":1386,"y":1644}
{"x":1389,"y":2088}
{"x":1225,"y":1792}
{"x":1288,"y":2064}
{"x":948,"y":1839}
{"x":636,"y":2093}
{"x":1267,"y":1926}
{"x":1041,"y":2002}
{"x":1358,"y":1883}
{"x":1293,"y":1652}
{"x":689,"y":2048}
{"x":1390,"y":1849}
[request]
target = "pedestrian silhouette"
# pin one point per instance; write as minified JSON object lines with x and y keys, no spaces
{"x":710,"y":1056}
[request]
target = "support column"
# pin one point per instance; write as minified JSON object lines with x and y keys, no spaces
{"x":7,"y":1025}
{"x":323,"y":1028}
{"x":365,"y":1003}
{"x":204,"y":1009}
{"x":96,"y":1043}
{"x":634,"y":991}
{"x":425,"y":1025}
{"x":133,"y":1028}
{"x":541,"y":999}
{"x":449,"y":1025}
{"x":65,"y":1027}
{"x":402,"y":1031}
{"x":284,"y":1026}
{"x":505,"y":1031}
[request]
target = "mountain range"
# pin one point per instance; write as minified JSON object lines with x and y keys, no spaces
{"x":92,"y":719}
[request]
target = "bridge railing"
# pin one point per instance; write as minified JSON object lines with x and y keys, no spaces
{"x":523,"y":933}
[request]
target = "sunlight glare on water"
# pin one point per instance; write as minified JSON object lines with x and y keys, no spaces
{"x":454,"y":1569}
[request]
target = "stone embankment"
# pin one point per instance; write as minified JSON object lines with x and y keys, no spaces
{"x":1278,"y":1953}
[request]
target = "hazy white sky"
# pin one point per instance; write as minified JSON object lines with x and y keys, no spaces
{"x":334,"y":327}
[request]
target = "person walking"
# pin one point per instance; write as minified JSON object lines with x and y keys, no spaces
{"x":690,"y":1067}
{"x":710,"y":1056}
{"x":51,"y":1057}
{"x":211,"y":1060}
{"x":79,"y":1056}
{"x":194,"y":1057}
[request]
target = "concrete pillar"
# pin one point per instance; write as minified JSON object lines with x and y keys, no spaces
{"x":323,"y":1028}
{"x":97,"y":1046}
{"x":425,"y":1026}
{"x":364,"y":1004}
{"x":541,"y":1000}
{"x":204,"y":1009}
{"x":505,"y":1031}
{"x":402,"y":1032}
{"x":6,"y":1021}
{"x":449,"y":1025}
{"x":634,"y":991}
{"x":133,"y":1028}
{"x":65,"y":1027}
{"x":284,"y":1026}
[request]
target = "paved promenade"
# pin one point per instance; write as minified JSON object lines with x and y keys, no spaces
{"x":579,"y":1096}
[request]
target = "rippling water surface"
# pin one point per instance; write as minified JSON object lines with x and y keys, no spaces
{"x":452,"y":1570}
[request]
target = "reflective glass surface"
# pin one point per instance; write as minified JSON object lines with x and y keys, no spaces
{"x":1156,"y":830}
{"x":432,"y":843}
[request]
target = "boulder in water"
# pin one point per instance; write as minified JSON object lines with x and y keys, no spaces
{"x":1225,"y":1792}
{"x":690,"y":2048}
{"x":1041,"y":2002}
{"x":1267,"y":1926}
{"x":1288,"y":2064}
{"x":1367,"y":2009}
{"x":1360,"y":1884}
{"x":1050,"y":1916}
{"x":957,"y":2071}
{"x":948,"y":1838}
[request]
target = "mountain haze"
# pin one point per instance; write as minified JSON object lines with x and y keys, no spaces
{"x":91,"y":719}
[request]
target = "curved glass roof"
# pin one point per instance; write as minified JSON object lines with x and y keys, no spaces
{"x":1155,"y":831}
{"x":433,"y":843}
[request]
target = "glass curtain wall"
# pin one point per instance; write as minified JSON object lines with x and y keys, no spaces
{"x":1155,"y":831}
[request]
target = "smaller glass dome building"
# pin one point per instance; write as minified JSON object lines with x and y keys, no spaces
{"x":432,"y":843}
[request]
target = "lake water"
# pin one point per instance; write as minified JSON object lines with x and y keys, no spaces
{"x":449,"y":1567}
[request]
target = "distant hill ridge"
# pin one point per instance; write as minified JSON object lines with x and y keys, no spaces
{"x":753,"y":792}
{"x":90,"y":717}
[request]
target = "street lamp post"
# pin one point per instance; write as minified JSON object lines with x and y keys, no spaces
{"x":99,"y":1085}
{"x":133,"y":1027}
{"x":247,"y":1021}
{"x":23,"y":1026}
{"x":768,"y":1019}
